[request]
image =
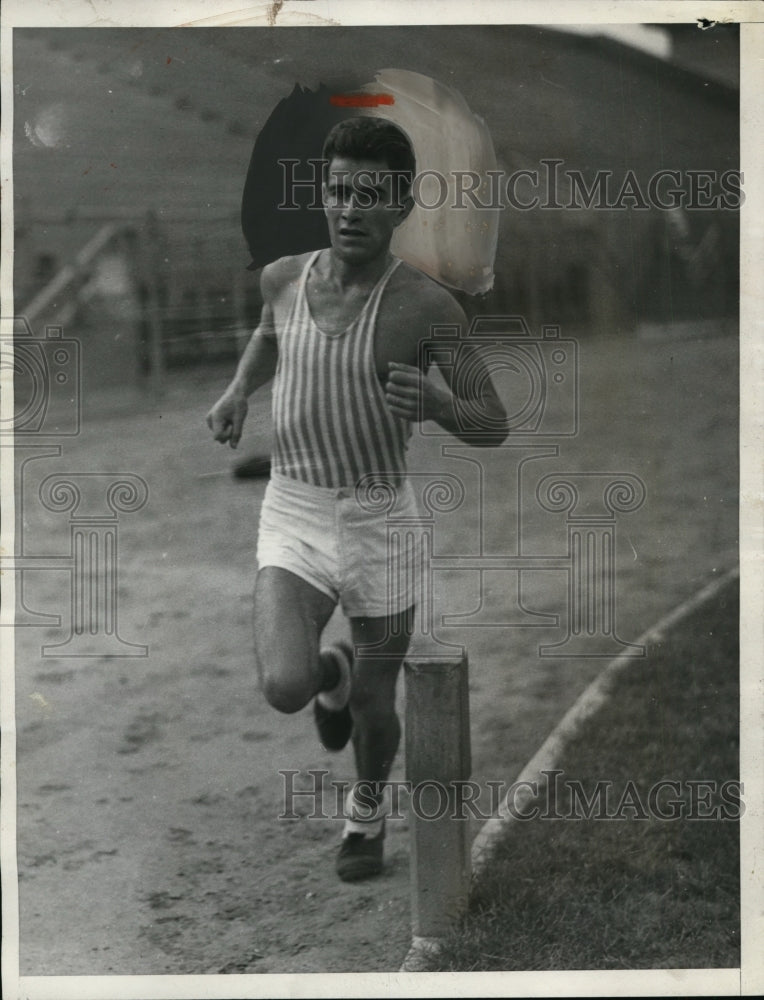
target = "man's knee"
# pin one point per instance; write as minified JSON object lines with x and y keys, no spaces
{"x":290,"y":615}
{"x":285,"y":691}
{"x":285,"y":694}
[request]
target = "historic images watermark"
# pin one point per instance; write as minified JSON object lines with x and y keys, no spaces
{"x":550,"y":186}
{"x":47,"y":379}
{"x":309,"y":795}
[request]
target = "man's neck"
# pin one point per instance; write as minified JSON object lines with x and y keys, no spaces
{"x":344,"y":275}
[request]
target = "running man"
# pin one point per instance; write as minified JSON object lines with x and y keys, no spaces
{"x":340,"y":329}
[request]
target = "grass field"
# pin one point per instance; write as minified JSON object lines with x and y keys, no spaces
{"x":632,"y":891}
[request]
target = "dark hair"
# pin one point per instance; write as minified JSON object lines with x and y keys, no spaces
{"x":371,"y":139}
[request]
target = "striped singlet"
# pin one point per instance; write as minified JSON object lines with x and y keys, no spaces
{"x":332,"y":424}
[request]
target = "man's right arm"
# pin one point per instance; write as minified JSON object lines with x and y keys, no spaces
{"x":256,"y":367}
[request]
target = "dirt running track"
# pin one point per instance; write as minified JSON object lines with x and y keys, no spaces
{"x":149,"y":788}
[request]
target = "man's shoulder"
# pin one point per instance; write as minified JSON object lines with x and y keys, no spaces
{"x":427,"y":296}
{"x":281,"y":273}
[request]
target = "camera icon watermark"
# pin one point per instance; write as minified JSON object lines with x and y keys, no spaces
{"x":542,"y":371}
{"x":47,"y":376}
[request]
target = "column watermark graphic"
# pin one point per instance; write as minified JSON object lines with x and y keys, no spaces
{"x":591,"y":553}
{"x":46,"y":373}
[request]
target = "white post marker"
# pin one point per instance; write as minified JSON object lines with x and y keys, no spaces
{"x":437,"y":755}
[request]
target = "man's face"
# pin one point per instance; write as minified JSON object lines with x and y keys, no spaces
{"x":363,"y":208}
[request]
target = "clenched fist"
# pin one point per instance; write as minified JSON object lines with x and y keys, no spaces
{"x":412,"y":396}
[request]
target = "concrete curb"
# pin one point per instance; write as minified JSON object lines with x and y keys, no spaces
{"x":549,"y":753}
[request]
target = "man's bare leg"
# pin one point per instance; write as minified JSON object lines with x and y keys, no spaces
{"x":290,"y":615}
{"x":380,"y":645}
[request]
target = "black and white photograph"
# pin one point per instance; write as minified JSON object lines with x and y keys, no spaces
{"x":380,"y":447}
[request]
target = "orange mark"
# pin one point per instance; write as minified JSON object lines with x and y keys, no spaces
{"x":169,"y":60}
{"x":360,"y":100}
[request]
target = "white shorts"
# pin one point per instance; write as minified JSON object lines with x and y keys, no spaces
{"x":366,"y":560}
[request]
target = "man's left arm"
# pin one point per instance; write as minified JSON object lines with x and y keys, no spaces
{"x":468,"y":390}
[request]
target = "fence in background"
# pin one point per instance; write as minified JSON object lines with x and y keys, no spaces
{"x":146,"y":293}
{"x":141,"y":295}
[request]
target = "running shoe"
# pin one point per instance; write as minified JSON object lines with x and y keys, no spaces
{"x":360,"y":857}
{"x":335,"y":726}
